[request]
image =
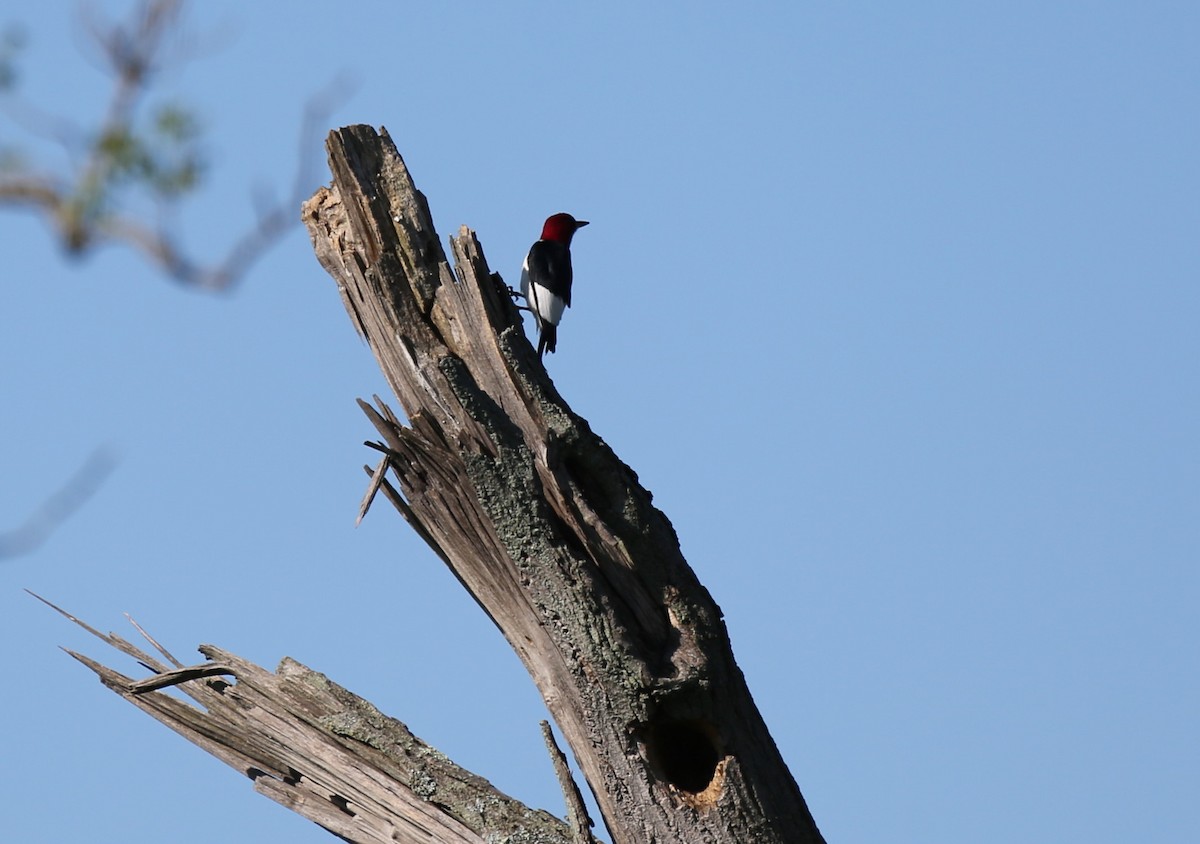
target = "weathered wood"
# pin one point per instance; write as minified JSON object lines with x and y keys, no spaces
{"x":577,"y":813}
{"x":546,"y":527}
{"x":325,"y":753}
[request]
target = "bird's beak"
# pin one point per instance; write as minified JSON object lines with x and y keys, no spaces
{"x":580,"y":223}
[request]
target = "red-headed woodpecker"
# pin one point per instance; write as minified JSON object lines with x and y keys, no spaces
{"x":546,"y":277}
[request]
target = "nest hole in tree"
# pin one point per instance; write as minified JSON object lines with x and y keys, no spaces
{"x":684,"y":753}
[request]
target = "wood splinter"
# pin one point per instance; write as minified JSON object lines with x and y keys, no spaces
{"x":577,"y":814}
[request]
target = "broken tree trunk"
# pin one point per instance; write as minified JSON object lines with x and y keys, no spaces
{"x":323,"y":752}
{"x":543,"y":524}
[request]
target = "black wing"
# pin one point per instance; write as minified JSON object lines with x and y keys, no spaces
{"x":550,"y":267}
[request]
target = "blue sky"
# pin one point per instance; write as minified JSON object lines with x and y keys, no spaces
{"x":893,"y":309}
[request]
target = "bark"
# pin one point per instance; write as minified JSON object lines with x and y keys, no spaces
{"x":544,"y":525}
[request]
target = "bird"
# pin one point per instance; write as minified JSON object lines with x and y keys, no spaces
{"x":546,"y":277}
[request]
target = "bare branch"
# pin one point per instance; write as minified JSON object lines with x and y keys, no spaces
{"x":577,"y":813}
{"x":42,"y":194}
{"x":60,"y":506}
{"x":43,"y":124}
{"x":132,"y":50}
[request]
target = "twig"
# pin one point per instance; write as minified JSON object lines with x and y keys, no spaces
{"x":165,"y":679}
{"x":166,"y":654}
{"x":377,"y":478}
{"x":577,"y":813}
{"x":60,"y":506}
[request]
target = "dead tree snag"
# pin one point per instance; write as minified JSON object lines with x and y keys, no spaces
{"x":553,"y":536}
{"x":544,"y":525}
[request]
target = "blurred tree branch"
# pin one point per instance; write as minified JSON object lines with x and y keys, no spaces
{"x":56,"y":509}
{"x":128,"y":162}
{"x":121,"y":180}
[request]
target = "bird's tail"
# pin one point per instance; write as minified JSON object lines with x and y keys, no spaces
{"x":547,"y":338}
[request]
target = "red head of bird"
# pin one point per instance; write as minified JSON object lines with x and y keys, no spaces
{"x":561,"y":227}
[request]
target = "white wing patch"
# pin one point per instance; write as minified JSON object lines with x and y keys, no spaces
{"x":548,"y":307}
